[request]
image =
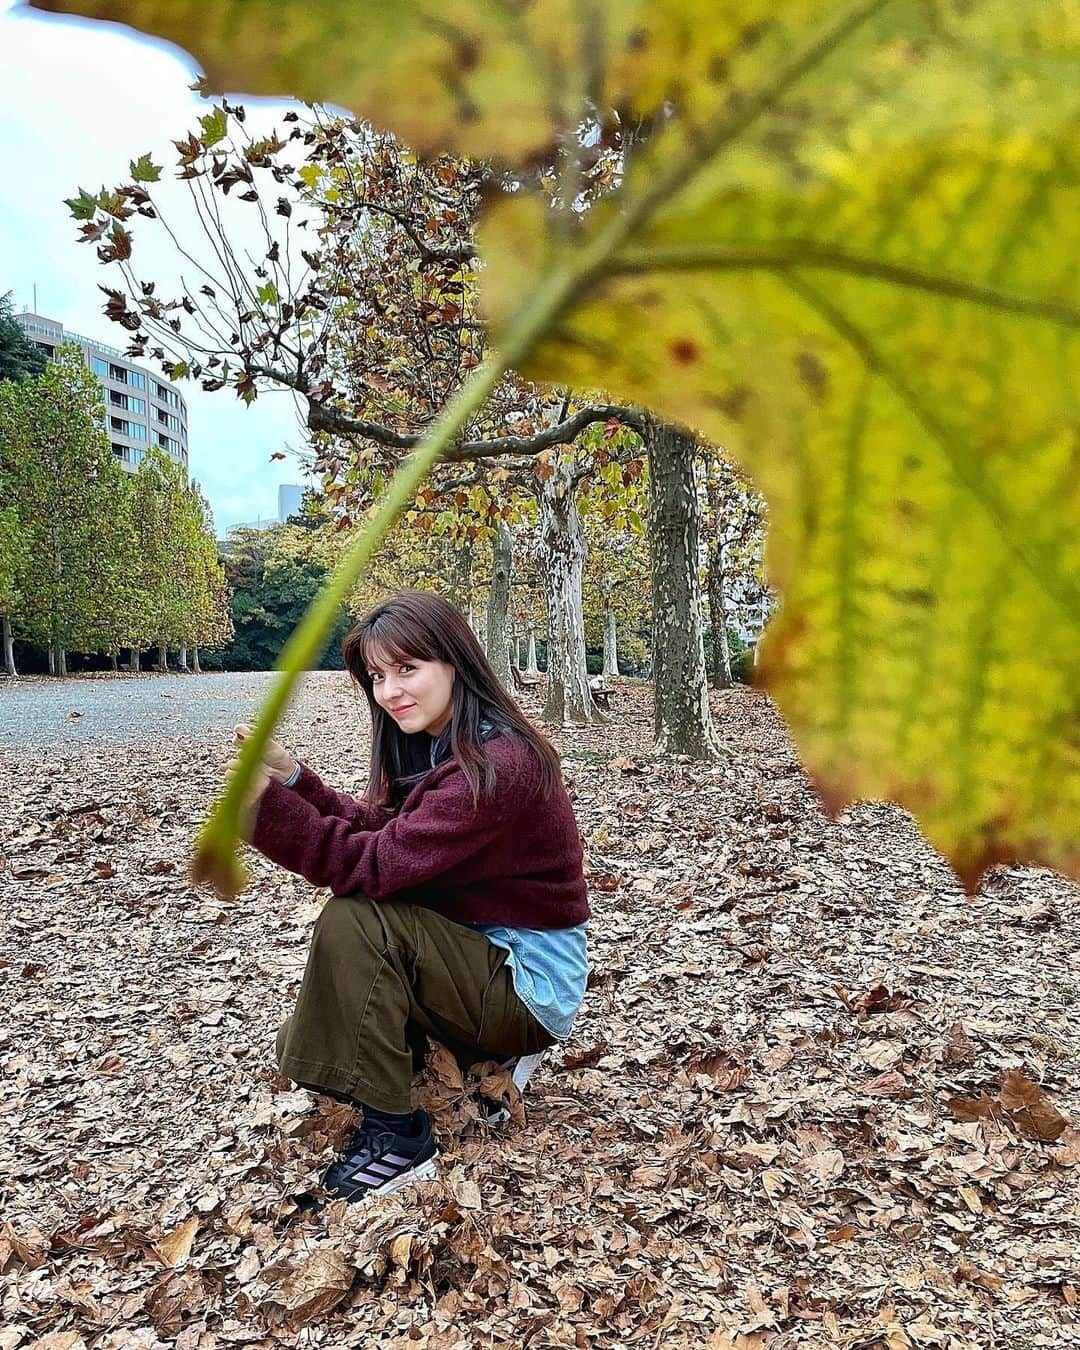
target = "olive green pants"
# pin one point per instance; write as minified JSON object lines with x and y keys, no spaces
{"x":380,"y":977}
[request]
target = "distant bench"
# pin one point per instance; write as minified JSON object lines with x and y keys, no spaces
{"x":602,"y":692}
{"x":522,"y":680}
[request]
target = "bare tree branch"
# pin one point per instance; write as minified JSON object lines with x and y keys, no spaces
{"x":322,"y":417}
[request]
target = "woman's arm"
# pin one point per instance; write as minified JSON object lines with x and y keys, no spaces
{"x":282,"y":766}
{"x":432,"y":833}
{"x":327,"y":802}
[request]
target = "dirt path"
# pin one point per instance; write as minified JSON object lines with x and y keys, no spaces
{"x":780,"y":1120}
{"x":132,"y":709}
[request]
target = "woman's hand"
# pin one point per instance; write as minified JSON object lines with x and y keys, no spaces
{"x":260,"y":781}
{"x":277,"y":763}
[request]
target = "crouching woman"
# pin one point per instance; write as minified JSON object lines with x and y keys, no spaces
{"x":459,"y":906}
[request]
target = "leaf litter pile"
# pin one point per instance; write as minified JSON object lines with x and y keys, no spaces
{"x":816,"y":1095}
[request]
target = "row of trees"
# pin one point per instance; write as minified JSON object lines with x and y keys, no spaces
{"x":362,"y":301}
{"x":93,"y":559}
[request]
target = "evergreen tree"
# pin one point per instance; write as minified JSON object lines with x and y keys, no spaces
{"x":19,"y":358}
{"x":274,"y":577}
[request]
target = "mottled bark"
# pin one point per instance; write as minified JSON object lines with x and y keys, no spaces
{"x":163,"y":657}
{"x":182,"y":660}
{"x":135,"y":659}
{"x":721,"y":654}
{"x":611,"y":643}
{"x":459,"y":576}
{"x":114,"y":661}
{"x":562,"y":561}
{"x":497,"y":639}
{"x":681,"y":718}
{"x":9,"y":648}
{"x":196,"y":668}
{"x":531,"y":668}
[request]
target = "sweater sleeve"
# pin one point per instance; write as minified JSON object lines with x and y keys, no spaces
{"x":327,"y":802}
{"x":437,"y":830}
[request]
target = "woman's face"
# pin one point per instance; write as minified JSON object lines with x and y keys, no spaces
{"x":416,"y":694}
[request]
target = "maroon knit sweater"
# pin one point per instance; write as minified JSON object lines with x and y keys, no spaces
{"x":514,"y":860}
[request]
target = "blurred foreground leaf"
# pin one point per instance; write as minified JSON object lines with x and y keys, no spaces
{"x":872,"y":299}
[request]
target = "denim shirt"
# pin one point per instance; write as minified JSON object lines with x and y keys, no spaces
{"x":549,"y":967}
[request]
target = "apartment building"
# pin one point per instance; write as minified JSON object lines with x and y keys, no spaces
{"x":142,"y":410}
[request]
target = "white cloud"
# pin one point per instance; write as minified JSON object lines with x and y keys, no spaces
{"x":78,"y":101}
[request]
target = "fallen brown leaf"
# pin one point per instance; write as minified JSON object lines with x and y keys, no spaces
{"x":175,"y":1247}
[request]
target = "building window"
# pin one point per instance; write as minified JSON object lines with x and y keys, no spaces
{"x":137,"y":431}
{"x":99,"y":367}
{"x":120,"y":451}
{"x":137,"y":380}
{"x":128,"y":401}
{"x":118,"y":373}
{"x":165,"y":442}
{"x":118,"y":424}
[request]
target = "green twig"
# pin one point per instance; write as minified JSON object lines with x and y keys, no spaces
{"x":215,"y":854}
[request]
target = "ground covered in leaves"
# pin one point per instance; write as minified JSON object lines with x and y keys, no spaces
{"x":816,"y":1096}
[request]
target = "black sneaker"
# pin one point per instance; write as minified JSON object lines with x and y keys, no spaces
{"x":520,"y":1070}
{"x":378,"y":1162}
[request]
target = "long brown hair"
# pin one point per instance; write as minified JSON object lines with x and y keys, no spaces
{"x":425,"y":627}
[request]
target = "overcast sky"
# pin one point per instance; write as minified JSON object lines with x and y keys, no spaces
{"x":78,"y":101}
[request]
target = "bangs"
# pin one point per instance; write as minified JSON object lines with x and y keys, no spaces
{"x":394,"y":638}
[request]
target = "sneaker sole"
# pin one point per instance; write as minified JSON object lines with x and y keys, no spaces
{"x":426,"y":1171}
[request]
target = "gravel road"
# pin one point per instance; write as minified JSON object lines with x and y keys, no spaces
{"x":44,"y":712}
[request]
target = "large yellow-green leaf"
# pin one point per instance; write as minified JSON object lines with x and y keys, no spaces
{"x":872,"y":296}
{"x":848,"y":252}
{"x":490,"y":78}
